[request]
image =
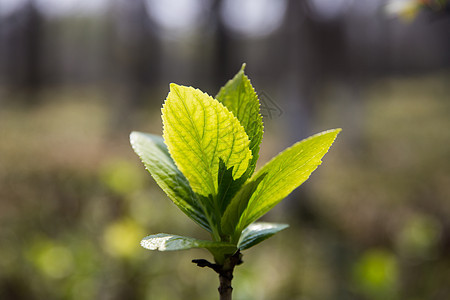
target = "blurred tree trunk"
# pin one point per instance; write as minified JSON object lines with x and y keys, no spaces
{"x":134,"y":68}
{"x":22,"y":52}
{"x":222,"y":71}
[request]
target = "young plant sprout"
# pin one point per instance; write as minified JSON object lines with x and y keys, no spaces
{"x":205,"y":163}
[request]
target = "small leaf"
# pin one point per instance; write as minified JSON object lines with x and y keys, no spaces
{"x":227,"y":186}
{"x":237,"y":206}
{"x":153,"y":153}
{"x":239,"y":96}
{"x":284,"y":173}
{"x":170,"y":242}
{"x":199,"y":131}
{"x":257,"y":232}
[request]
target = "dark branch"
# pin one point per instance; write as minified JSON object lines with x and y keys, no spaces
{"x":204,"y":263}
{"x":225,"y":272}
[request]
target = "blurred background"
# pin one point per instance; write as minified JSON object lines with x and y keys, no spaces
{"x":76,"y":76}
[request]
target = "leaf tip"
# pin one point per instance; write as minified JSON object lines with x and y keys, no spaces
{"x":332,"y":132}
{"x":134,"y":136}
{"x":173,"y":85}
{"x":336,"y":131}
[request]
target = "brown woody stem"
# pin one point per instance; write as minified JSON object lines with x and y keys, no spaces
{"x":225,"y":272}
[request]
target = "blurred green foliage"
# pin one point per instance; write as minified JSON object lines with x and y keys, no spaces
{"x":75,"y":202}
{"x":376,"y":274}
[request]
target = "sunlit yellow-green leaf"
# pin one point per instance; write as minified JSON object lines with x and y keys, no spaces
{"x":199,"y":132}
{"x":240,"y":98}
{"x":283,"y":174}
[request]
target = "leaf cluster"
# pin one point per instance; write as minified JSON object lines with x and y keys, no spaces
{"x":205,"y":163}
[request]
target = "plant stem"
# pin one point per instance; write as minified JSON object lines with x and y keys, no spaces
{"x":225,"y":288}
{"x":225,"y":272}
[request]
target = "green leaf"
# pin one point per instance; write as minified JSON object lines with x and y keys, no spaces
{"x":257,"y":232}
{"x":170,"y":242}
{"x":237,"y":206}
{"x":227,"y":186}
{"x":199,"y":131}
{"x":284,"y":173}
{"x":153,"y":153}
{"x":239,"y":96}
